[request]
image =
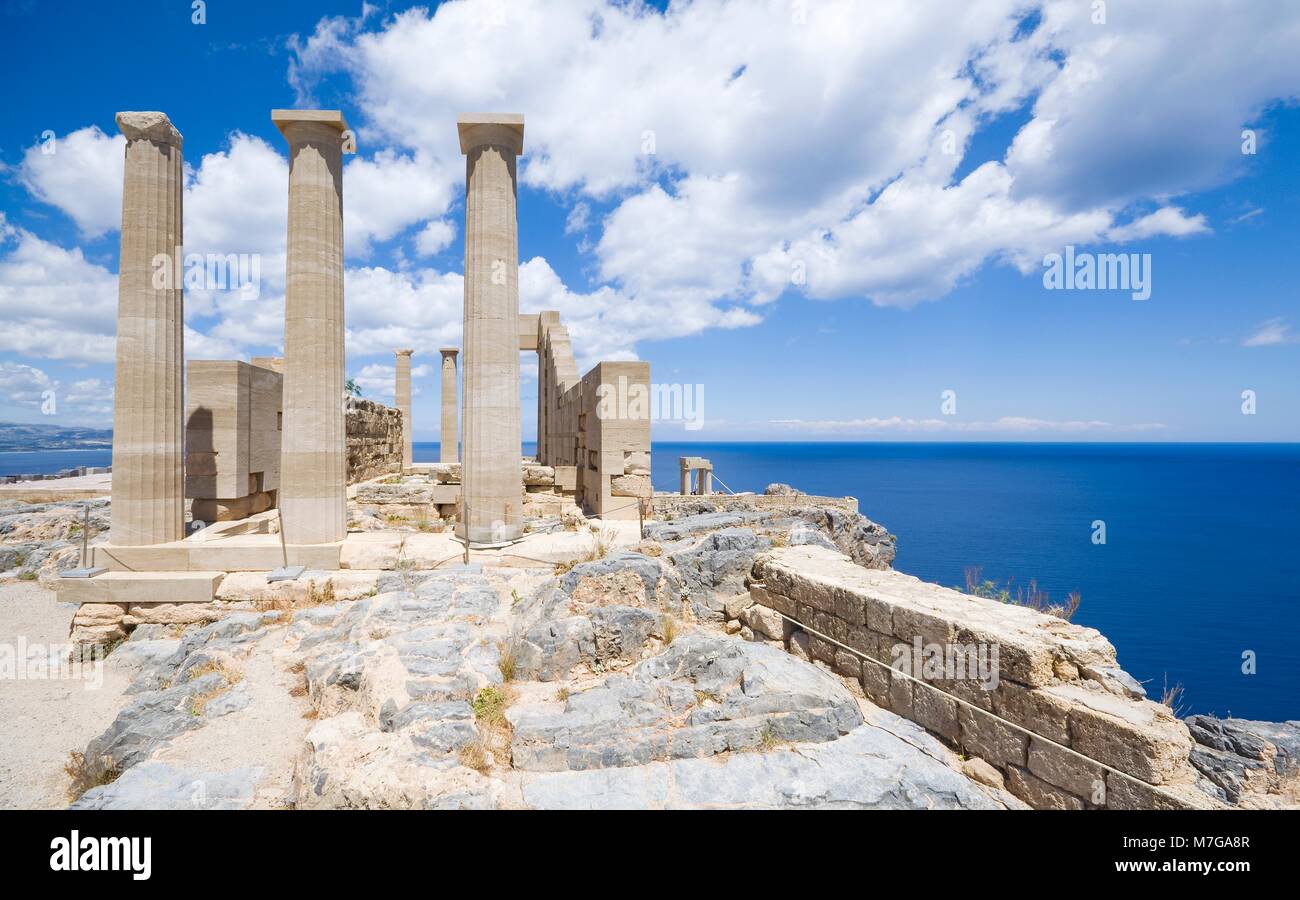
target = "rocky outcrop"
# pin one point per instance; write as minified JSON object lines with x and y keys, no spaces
{"x":804,"y":521}
{"x":869,"y":768}
{"x":42,"y":539}
{"x":702,"y":696}
{"x":1248,"y":763}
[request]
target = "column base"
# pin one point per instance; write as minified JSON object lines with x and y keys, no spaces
{"x":487,"y":537}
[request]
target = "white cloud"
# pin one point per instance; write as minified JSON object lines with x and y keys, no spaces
{"x":55,"y":304}
{"x":388,"y":192}
{"x":435,"y":237}
{"x":24,"y":385}
{"x":823,"y":143}
{"x":82,"y":177}
{"x":1168,"y":220}
{"x":1271,"y":333}
{"x":378,"y":381}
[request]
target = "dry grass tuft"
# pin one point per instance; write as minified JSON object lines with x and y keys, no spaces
{"x":475,"y":755}
{"x":1172,"y":697}
{"x":84,"y":774}
{"x":489,"y":706}
{"x":1031,"y":597}
{"x":509,"y":660}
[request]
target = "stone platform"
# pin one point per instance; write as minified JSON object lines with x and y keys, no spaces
{"x":192,"y":570}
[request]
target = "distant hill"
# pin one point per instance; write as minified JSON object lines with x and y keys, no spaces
{"x":15,"y":436}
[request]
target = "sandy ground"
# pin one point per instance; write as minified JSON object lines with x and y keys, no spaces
{"x":43,"y":719}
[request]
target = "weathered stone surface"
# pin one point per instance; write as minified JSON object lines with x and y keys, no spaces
{"x":1138,"y":737}
{"x":1246,"y":760}
{"x":868,"y":768}
{"x":765,"y":621}
{"x":991,"y":739}
{"x":631,"y":486}
{"x":614,"y":579}
{"x":374,"y":440}
{"x":538,"y":476}
{"x":704,"y":695}
{"x":979,"y":770}
{"x":550,"y":650}
{"x":778,"y":489}
{"x":157,"y":785}
{"x":1038,"y":793}
{"x":717,"y":567}
{"x":1065,"y":770}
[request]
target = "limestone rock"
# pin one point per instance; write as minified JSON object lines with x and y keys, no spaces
{"x":716,"y":568}
{"x":779,"y":489}
{"x":157,"y":785}
{"x":704,"y":695}
{"x":869,"y":768}
{"x":631,"y":486}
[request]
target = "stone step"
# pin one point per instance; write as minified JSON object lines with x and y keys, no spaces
{"x":141,"y":587}
{"x":242,"y":553}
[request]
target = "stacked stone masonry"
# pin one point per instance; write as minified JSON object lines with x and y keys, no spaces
{"x":1058,"y":681}
{"x":374,"y":440}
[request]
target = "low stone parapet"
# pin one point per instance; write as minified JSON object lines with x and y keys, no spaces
{"x":1011,"y":685}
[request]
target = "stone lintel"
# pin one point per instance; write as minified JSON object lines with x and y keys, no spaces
{"x":478,"y":129}
{"x":148,"y":126}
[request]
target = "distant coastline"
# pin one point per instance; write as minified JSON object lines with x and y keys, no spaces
{"x":17,"y":437}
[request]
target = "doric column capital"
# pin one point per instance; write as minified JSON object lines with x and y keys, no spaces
{"x":491,"y":129}
{"x":450,"y":353}
{"x":299,"y":125}
{"x":406,"y":353}
{"x":149,"y":126}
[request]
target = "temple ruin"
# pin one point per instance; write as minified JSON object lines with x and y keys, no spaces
{"x":267,"y":454}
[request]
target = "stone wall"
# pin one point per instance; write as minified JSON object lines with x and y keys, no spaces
{"x":1057,"y":681}
{"x":600,"y":451}
{"x":374,"y":436}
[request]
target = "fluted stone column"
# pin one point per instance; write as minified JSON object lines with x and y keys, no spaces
{"x":492,"y":479}
{"x":448,"y":451}
{"x":148,"y":479}
{"x":402,"y":397}
{"x":313,"y":454}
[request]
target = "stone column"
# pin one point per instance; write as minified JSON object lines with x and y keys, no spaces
{"x":491,"y":475}
{"x":148,"y":480}
{"x":313,"y":467}
{"x":686,"y":477}
{"x":402,"y":397}
{"x":448,"y":441}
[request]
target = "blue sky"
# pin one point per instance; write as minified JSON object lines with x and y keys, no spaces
{"x":915,"y":162}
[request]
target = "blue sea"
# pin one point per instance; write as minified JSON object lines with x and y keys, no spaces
{"x":1201,"y":562}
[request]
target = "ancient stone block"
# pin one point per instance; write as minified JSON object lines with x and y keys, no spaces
{"x":1038,"y":793}
{"x":935,"y":712}
{"x":1065,"y":770}
{"x":1039,"y":711}
{"x":1138,"y":737}
{"x":983,"y":735}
